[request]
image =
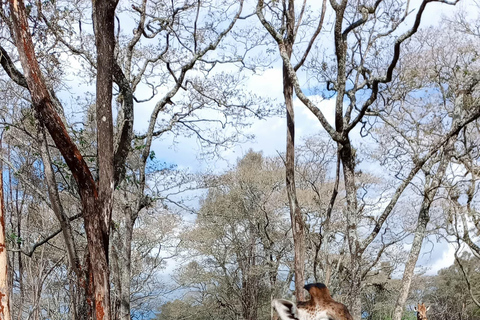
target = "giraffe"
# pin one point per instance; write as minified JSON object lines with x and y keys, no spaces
{"x":321,"y":306}
{"x":421,"y":310}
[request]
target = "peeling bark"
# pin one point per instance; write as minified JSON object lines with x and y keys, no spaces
{"x":4,"y":285}
{"x":96,"y":202}
{"x":98,"y":217}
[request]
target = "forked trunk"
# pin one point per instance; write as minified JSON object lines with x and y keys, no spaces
{"x":296,"y":218}
{"x":96,"y":202}
{"x":295,"y":212}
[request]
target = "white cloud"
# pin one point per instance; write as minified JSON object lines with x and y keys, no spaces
{"x":268,"y":83}
{"x":445,"y":260}
{"x":442,"y":255}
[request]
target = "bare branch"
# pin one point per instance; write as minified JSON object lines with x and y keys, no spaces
{"x":418,"y":165}
{"x":465,"y":276}
{"x":314,"y":36}
{"x":11,"y":70}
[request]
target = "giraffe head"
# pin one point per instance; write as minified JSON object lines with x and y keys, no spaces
{"x":421,"y":310}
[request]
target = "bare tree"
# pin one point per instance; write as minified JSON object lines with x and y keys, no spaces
{"x":354,"y":78}
{"x":96,"y":199}
{"x":434,"y":68}
{"x":238,"y":243}
{"x":286,"y":38}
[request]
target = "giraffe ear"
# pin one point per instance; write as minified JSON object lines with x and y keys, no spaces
{"x":286,"y":309}
{"x":428,"y":308}
{"x":415,"y":308}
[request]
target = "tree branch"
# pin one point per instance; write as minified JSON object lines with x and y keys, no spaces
{"x":418,"y":165}
{"x":11,"y":70}
{"x":44,"y":240}
{"x":465,"y":276}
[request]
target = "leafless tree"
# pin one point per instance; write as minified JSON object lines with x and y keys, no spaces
{"x":354,"y":75}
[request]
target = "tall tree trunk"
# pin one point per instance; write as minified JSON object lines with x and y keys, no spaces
{"x":347,"y":157}
{"x":115,"y":275}
{"x":250,"y":279}
{"x":296,"y":218}
{"x":98,"y":217}
{"x":121,"y":251}
{"x":126,"y":269}
{"x":420,"y":231}
{"x":4,"y":287}
{"x":12,"y":203}
{"x":21,"y":287}
{"x":431,"y":187}
{"x":96,"y":202}
{"x":432,"y":184}
{"x":79,"y":307}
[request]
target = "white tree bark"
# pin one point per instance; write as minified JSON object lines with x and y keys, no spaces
{"x":4,"y":287}
{"x":432,"y":185}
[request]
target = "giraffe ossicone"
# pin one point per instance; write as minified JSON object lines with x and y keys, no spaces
{"x":421,"y":310}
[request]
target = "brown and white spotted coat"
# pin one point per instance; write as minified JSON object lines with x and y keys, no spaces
{"x":321,"y":306}
{"x":421,"y":310}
